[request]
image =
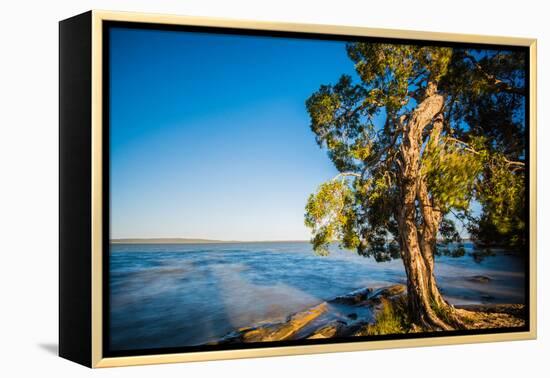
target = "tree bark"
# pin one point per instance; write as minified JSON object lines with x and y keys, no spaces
{"x":427,"y":308}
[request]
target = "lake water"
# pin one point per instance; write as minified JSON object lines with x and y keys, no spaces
{"x":181,"y":295}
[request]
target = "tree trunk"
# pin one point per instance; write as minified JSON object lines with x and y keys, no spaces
{"x":427,"y":308}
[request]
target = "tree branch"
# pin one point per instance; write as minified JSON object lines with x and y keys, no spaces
{"x":469,"y":148}
{"x":378,"y":156}
{"x":464,"y":225}
{"x":345,"y":174}
{"x":492,"y":79}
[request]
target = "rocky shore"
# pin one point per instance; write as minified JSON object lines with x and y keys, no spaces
{"x":365,"y":312}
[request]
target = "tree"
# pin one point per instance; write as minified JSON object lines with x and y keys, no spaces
{"x":418,"y":136}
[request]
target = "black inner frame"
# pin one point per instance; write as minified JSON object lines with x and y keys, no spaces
{"x":107,"y":25}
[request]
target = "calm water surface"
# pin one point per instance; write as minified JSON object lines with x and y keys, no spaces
{"x":180,"y":295}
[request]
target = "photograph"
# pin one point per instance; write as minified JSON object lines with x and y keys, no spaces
{"x":276,"y":189}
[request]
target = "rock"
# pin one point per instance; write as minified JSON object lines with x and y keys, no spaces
{"x":479,"y":279}
{"x":359,"y":296}
{"x":394,"y":290}
{"x":388,"y":292}
{"x":353,"y":298}
{"x":256,"y":334}
{"x":330,"y":330}
{"x":296,"y":322}
{"x":276,"y":331}
{"x":339,"y":317}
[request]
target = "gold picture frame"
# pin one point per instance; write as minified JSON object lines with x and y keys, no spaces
{"x":94,"y":21}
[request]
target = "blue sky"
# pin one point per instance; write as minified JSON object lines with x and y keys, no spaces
{"x":210,"y":136}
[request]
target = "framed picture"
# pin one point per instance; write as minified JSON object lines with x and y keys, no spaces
{"x":235,"y":189}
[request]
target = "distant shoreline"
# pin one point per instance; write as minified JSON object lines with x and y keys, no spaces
{"x":204,"y":241}
{"x":195,"y":241}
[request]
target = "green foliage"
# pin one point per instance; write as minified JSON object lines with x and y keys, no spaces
{"x":502,"y":194}
{"x":447,"y":230}
{"x":330,"y":215}
{"x":390,"y":70}
{"x":391,"y":320}
{"x":489,"y":102}
{"x":451,"y":241}
{"x":335,"y":125}
{"x":377,"y":224}
{"x":451,"y":172}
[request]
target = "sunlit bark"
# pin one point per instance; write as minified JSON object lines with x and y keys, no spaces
{"x":427,"y":307}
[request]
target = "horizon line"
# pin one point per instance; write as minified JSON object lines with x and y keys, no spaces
{"x":196,"y":241}
{"x":207,"y":241}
